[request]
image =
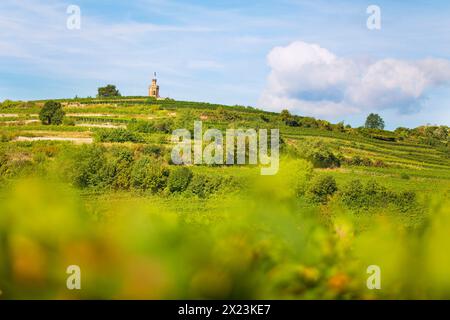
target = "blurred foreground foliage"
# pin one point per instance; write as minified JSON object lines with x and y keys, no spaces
{"x":267,"y":243}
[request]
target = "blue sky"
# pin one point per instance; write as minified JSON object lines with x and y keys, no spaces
{"x":218,"y":51}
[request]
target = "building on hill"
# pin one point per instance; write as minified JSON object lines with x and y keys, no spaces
{"x":153,"y":90}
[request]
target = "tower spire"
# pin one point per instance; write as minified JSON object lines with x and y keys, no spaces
{"x":153,"y":90}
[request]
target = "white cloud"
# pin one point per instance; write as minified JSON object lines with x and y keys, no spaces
{"x":122,"y":50}
{"x":306,"y":78}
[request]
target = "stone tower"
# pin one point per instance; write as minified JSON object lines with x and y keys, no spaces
{"x":153,"y":90}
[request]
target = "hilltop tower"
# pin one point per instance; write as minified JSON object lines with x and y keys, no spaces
{"x":153,"y":90}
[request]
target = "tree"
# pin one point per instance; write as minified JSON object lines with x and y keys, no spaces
{"x":340,"y":126}
{"x":8,"y":104}
{"x":374,"y":121}
{"x":52,"y":113}
{"x":288,"y":118}
{"x":285,"y":115}
{"x":108,"y":91}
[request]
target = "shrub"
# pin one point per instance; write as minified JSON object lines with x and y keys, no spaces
{"x":227,"y":115}
{"x":406,"y":201}
{"x":119,"y":168}
{"x":88,"y":166}
{"x":324,"y":158}
{"x":179,"y":179}
{"x":339,"y":127}
{"x":8,"y":104}
{"x":357,"y":196}
{"x":405,"y":176}
{"x":116,"y":135}
{"x":15,"y":163}
{"x":321,"y":188}
{"x":68,"y":122}
{"x":299,"y":173}
{"x":375,"y":194}
{"x":149,"y":174}
{"x":379,"y":164}
{"x":164,"y":126}
{"x":203,"y":185}
{"x":356,"y":161}
{"x":264,"y":118}
{"x":288,"y":119}
{"x":364,"y":161}
{"x":6,"y":136}
{"x":153,"y":149}
{"x":318,"y":154}
{"x":351,"y":193}
{"x":141,"y":126}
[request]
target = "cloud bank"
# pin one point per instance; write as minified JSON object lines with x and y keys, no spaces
{"x":308,"y":79}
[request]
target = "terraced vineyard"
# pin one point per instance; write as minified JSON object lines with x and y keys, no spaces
{"x":86,"y":116}
{"x":105,"y":177}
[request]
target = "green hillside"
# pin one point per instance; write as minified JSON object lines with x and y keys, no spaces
{"x":417,"y":152}
{"x":219,"y":231}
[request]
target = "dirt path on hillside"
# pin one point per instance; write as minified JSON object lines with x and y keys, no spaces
{"x":23,"y":122}
{"x":9,"y":115}
{"x":74,"y":140}
{"x":102,"y":125}
{"x":16,"y":115}
{"x":90,"y":115}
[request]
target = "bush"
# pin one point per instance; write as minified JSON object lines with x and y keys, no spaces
{"x":149,"y":174}
{"x":355,"y":161}
{"x":288,"y":119}
{"x":363,"y":161}
{"x":321,"y":188}
{"x":118,"y":168}
{"x":227,"y":115}
{"x":318,"y":154}
{"x":153,"y":149}
{"x":204,"y":186}
{"x":95,"y":166}
{"x":379,"y":164}
{"x":8,"y":104}
{"x":406,"y":201}
{"x":6,"y":136}
{"x":357,"y":196}
{"x":264,"y":118}
{"x":68,"y":122}
{"x":351,"y":193}
{"x":324,"y":158}
{"x":405,"y":176}
{"x":16,"y":164}
{"x":164,"y":126}
{"x":116,"y":135}
{"x":179,"y":179}
{"x":88,"y":166}
{"x":141,"y":126}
